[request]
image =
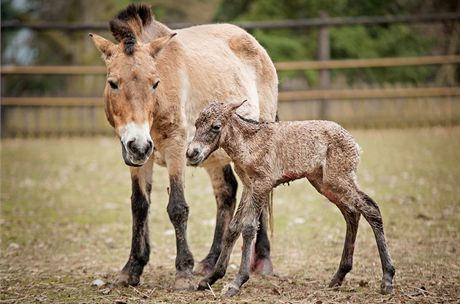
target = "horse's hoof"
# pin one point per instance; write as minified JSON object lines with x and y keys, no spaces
{"x":230,"y":290}
{"x":386,"y":288}
{"x":203,"y":268}
{"x":184,"y":282}
{"x":125,"y":279}
{"x":262,"y":267}
{"x":335,"y":282}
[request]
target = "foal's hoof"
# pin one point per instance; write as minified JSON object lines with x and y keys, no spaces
{"x":125,"y":279}
{"x":262,"y":266}
{"x":203,"y":268}
{"x":386,"y":288}
{"x":184,"y":282}
{"x":230,"y":290}
{"x":203,"y":285}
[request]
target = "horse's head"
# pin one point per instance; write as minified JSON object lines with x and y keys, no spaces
{"x":210,"y":124}
{"x":132,"y":82}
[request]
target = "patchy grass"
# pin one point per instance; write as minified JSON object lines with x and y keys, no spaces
{"x":66,"y":221}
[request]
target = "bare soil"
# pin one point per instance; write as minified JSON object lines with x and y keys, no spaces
{"x":65,"y":221}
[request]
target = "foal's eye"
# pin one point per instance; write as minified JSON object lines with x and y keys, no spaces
{"x":216,"y":127}
{"x":113,"y":85}
{"x":154,"y":86}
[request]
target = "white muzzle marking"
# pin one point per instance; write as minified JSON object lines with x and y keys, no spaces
{"x":137,"y":135}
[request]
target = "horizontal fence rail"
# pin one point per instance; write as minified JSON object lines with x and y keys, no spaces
{"x":280,"y":66}
{"x":250,"y":25}
{"x":366,"y":63}
{"x":283,"y":96}
{"x":368,"y":93}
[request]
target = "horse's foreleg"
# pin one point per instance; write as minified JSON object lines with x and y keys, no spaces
{"x":178,"y":214}
{"x":141,"y":179}
{"x":225,"y":186}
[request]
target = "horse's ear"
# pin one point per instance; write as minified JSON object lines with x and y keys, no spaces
{"x":102,"y":44}
{"x":158,"y":44}
{"x":236,"y":105}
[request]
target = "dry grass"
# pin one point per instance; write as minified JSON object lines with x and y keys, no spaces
{"x":66,"y":221}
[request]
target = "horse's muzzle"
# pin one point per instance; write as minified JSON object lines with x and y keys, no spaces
{"x":136,"y":154}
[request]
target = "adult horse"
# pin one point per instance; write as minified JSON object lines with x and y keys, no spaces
{"x":157,"y":83}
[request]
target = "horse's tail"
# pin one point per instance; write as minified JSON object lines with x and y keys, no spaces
{"x":270,"y":214}
{"x":270,"y":200}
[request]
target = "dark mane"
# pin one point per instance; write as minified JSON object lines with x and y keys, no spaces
{"x":252,"y":121}
{"x":122,"y":25}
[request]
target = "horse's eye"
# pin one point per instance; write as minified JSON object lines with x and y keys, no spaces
{"x":113,"y":85}
{"x":155,"y":84}
{"x":216,"y":127}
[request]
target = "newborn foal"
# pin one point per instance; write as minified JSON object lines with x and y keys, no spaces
{"x":268,"y":154}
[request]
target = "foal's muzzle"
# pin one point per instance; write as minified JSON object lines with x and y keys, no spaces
{"x":194,"y":154}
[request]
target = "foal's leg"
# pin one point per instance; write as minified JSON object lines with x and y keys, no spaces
{"x":225,"y":186}
{"x":234,"y":230}
{"x":338,"y":193}
{"x":141,"y":179}
{"x":249,"y":227}
{"x":371,"y":212}
{"x":346,"y":263}
{"x":178,"y":212}
{"x":262,"y":263}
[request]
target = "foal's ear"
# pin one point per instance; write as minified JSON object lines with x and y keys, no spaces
{"x":102,"y":44}
{"x":158,"y":44}
{"x":236,"y":105}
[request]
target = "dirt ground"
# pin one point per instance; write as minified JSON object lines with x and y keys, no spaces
{"x":65,"y":221}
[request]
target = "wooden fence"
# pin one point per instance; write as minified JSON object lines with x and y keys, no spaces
{"x":39,"y":116}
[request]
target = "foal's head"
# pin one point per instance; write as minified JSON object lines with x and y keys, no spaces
{"x":210,"y":125}
{"x":132,"y":82}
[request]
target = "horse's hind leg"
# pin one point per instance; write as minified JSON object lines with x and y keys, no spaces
{"x":225,"y":186}
{"x":371,"y":212}
{"x":141,"y":179}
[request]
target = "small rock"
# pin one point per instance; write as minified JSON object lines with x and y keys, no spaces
{"x":98,"y":283}
{"x":423,"y":217}
{"x":13,"y":247}
{"x":299,"y":220}
{"x":110,"y":243}
{"x":106,"y":291}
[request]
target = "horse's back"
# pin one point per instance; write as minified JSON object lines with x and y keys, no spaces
{"x":234,"y":65}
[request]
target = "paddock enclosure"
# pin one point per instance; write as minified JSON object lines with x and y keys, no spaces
{"x":65,"y":222}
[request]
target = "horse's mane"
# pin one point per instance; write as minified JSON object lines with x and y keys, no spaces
{"x":251,"y":121}
{"x":128,"y":25}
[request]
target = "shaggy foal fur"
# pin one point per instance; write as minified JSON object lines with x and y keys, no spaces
{"x":268,"y":154}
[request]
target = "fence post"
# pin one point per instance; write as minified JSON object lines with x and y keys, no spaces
{"x":324,"y":53}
